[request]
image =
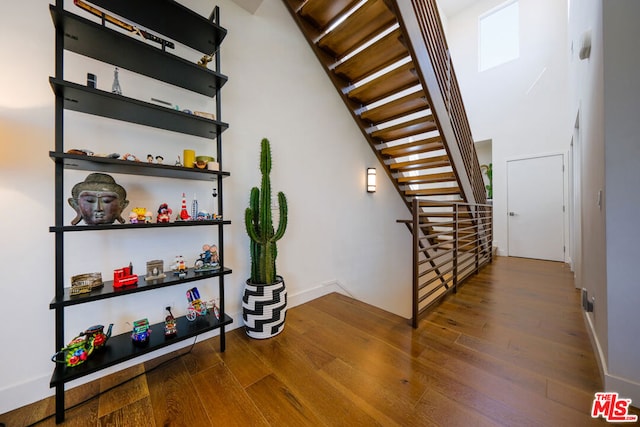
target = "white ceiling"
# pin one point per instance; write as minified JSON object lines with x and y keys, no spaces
{"x":453,"y":7}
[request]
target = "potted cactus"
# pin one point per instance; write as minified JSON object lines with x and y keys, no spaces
{"x":264,"y":303}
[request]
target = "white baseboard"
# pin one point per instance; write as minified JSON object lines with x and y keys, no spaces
{"x":625,"y":387}
{"x":18,"y":395}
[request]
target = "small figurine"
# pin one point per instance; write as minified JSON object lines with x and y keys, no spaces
{"x":179,"y":267}
{"x":164,"y":213}
{"x":141,"y":332}
{"x":159,"y":159}
{"x":150,"y":158}
{"x":148,"y":217}
{"x":203,"y":215}
{"x":208,"y":260}
{"x":115,"y":87}
{"x":133,"y":217}
{"x":178,"y":162}
{"x":184,"y":213}
{"x":170,"y":327}
{"x":124,"y":276}
{"x":140,"y":215}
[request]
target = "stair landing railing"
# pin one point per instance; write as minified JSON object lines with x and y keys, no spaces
{"x":446,"y":249}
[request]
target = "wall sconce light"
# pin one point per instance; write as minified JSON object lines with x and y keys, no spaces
{"x":371,"y":180}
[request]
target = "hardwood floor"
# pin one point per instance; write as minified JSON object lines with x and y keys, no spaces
{"x":509,"y":349}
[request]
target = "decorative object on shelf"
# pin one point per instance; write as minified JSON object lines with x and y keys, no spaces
{"x":208,"y":261}
{"x":264,"y":303}
{"x":91,"y":80}
{"x":189,"y":157}
{"x":178,"y":162}
{"x":205,"y":60}
{"x":213,"y":166}
{"x":124,"y":277}
{"x":488,"y":170}
{"x":82,"y":346}
{"x":118,"y":22}
{"x":141,"y":332}
{"x":194,"y":207}
{"x":140,"y":216}
{"x":164,"y":213}
{"x":203,"y":215}
{"x":202,"y":161}
{"x":184,"y":213}
{"x":149,"y":158}
{"x":205,"y":115}
{"x":75,"y":353}
{"x":155,"y":270}
{"x":130,"y":157}
{"x":159,"y":159}
{"x":148,"y":217}
{"x":85,"y":283}
{"x":98,"y":200}
{"x":97,"y":337}
{"x":196,"y":307}
{"x":170,"y":326}
{"x":179,"y":267}
{"x":80,"y":152}
{"x":115,"y":87}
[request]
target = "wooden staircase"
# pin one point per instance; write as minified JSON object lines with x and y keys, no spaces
{"x":365,"y":49}
{"x":390,"y":63}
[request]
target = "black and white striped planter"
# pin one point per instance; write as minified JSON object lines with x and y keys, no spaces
{"x":264,"y":309}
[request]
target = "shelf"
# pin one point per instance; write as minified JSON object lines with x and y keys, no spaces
{"x":120,"y":348}
{"x":108,"y":291}
{"x":106,"y":104}
{"x":127,"y":226}
{"x":170,"y":19}
{"x":91,"y":39}
{"x":104,"y":164}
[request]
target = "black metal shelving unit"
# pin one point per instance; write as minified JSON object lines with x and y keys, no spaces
{"x":103,"y":42}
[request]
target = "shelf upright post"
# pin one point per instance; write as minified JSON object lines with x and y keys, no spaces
{"x":216,"y":18}
{"x":59,"y":212}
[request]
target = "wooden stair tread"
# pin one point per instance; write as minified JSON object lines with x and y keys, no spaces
{"x":374,"y":58}
{"x":430,"y":162}
{"x":403,"y":130}
{"x":321,"y":13}
{"x":397,"y":80}
{"x":370,"y":20}
{"x":433,"y":191}
{"x":427,"y":178}
{"x":417,"y":147}
{"x":409,"y":104}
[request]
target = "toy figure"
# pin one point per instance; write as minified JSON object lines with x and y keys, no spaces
{"x":141,"y":332}
{"x":208,"y":260}
{"x":164,"y":213}
{"x":148,"y":217}
{"x":140,"y":212}
{"x":179,"y":267}
{"x":170,"y":327}
{"x":133,"y":217}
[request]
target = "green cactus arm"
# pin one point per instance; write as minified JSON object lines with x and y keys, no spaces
{"x":282,"y":222}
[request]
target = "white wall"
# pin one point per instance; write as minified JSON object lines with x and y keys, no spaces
{"x":521,"y":105}
{"x":622,"y":178}
{"x":338,"y":235}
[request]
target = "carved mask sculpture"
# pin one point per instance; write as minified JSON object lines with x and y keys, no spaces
{"x":98,"y":200}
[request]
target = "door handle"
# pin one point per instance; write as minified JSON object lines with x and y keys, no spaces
{"x":512,"y":214}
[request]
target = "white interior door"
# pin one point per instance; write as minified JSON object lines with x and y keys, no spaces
{"x":535,"y":205}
